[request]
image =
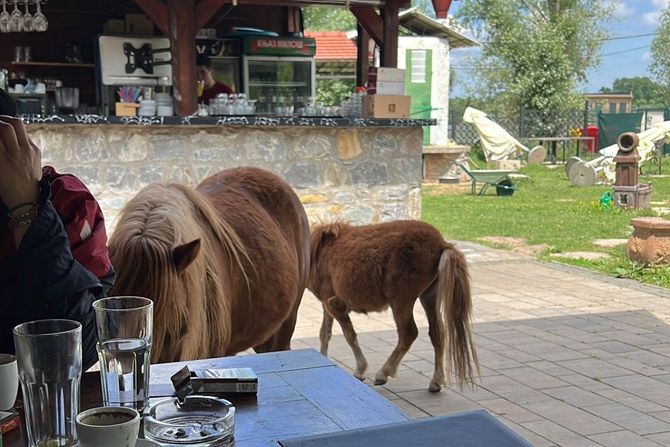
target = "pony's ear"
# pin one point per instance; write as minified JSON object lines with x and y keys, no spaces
{"x":184,"y":255}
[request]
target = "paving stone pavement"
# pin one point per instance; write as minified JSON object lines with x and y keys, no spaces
{"x":568,"y":357}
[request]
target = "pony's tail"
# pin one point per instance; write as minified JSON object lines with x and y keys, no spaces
{"x":454,"y":307}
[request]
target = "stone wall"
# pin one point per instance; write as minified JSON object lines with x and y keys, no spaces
{"x":363,"y":175}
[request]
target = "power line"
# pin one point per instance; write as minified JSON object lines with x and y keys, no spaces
{"x":607,"y":39}
{"x":630,"y":36}
{"x":626,"y":51}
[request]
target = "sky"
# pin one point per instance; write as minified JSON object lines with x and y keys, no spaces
{"x":621,"y":58}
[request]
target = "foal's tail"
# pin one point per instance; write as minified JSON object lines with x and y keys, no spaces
{"x":454,"y":307}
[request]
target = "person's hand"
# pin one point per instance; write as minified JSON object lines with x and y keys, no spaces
{"x":20,"y":164}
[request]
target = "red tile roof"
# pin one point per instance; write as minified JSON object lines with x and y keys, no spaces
{"x":333,"y":46}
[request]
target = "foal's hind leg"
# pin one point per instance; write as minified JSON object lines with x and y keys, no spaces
{"x":338,"y":309}
{"x":407,"y":333}
{"x":428,"y":303}
{"x":326,"y":331}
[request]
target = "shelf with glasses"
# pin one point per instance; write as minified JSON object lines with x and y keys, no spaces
{"x":52,"y":64}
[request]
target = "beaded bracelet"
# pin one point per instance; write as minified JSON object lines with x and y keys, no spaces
{"x":25,"y":219}
{"x":19,"y":206}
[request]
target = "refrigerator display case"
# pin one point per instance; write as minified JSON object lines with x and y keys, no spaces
{"x":279,"y":73}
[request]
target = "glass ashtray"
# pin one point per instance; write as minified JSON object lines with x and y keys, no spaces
{"x":199,"y":420}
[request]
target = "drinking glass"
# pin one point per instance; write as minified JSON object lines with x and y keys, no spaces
{"x":125,"y":326}
{"x":40,"y":22}
{"x":4,"y":18}
{"x":27,"y":20}
{"x":16,"y":19}
{"x":48,"y":354}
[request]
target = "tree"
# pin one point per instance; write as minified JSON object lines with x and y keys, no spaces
{"x":536,"y":53}
{"x":325,"y":18}
{"x":646,"y":93}
{"x":328,"y":18}
{"x":660,"y":51}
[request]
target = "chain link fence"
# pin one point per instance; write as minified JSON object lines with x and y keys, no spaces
{"x":524,"y":124}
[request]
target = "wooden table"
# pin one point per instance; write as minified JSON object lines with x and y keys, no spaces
{"x":301,"y":393}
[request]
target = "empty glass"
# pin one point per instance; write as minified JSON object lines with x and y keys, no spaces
{"x":40,"y":22}
{"x":27,"y":20}
{"x":48,"y":354}
{"x":4,"y":18}
{"x":16,"y":19}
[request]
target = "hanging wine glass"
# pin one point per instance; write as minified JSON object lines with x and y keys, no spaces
{"x":27,"y":19}
{"x":16,"y":19}
{"x":40,"y":22}
{"x":4,"y":18}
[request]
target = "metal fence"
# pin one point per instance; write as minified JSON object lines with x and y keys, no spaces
{"x":524,"y":124}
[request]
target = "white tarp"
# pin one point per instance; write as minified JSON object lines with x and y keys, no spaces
{"x":645,"y":149}
{"x":497,"y":143}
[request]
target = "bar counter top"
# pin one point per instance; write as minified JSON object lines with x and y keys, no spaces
{"x":253,"y":120}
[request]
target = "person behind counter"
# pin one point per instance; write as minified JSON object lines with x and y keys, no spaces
{"x":212,"y":87}
{"x":53,"y":246}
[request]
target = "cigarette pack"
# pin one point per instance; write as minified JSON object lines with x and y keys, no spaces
{"x":9,"y":420}
{"x":215,"y":382}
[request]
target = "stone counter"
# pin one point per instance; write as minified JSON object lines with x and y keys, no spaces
{"x":237,"y":120}
{"x":363,"y":174}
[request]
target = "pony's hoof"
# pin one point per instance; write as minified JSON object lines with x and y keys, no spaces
{"x":434,"y":387}
{"x":380,"y":379}
{"x":360,"y":376}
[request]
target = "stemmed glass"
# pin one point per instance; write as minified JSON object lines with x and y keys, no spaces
{"x":4,"y":18}
{"x":28,"y":24}
{"x":40,"y":22}
{"x":16,"y":20}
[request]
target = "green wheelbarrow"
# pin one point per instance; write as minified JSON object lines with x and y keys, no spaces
{"x":490,"y":177}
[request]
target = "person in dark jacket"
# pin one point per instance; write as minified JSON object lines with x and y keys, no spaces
{"x":53,"y":246}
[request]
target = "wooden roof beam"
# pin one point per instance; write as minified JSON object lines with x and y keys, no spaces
{"x":371,"y":21}
{"x":205,"y":10}
{"x":157,"y":11}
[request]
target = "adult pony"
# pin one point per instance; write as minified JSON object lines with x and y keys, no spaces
{"x":369,"y":268}
{"x":226,"y":264}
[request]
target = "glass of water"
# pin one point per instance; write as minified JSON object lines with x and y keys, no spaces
{"x":125,"y":326}
{"x":48,"y":353}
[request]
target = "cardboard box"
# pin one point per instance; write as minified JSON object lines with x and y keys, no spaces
{"x":126,"y":108}
{"x":390,"y":74}
{"x":386,"y":74}
{"x":139,"y":24}
{"x":390,"y":88}
{"x":386,"y":106}
{"x":114,"y":26}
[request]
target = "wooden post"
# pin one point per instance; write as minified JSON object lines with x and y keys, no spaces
{"x":182,"y":42}
{"x":390,"y":47}
{"x":362,"y":56}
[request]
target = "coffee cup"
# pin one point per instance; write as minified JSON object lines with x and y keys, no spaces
{"x":108,"y":427}
{"x":9,"y":381}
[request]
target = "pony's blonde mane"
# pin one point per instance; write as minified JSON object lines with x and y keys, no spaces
{"x":160,"y":218}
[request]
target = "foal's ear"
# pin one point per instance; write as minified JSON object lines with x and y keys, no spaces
{"x":184,"y":255}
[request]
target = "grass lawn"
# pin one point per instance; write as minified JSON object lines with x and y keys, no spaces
{"x":547,"y":209}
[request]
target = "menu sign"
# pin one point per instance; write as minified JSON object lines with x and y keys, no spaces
{"x":279,"y":46}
